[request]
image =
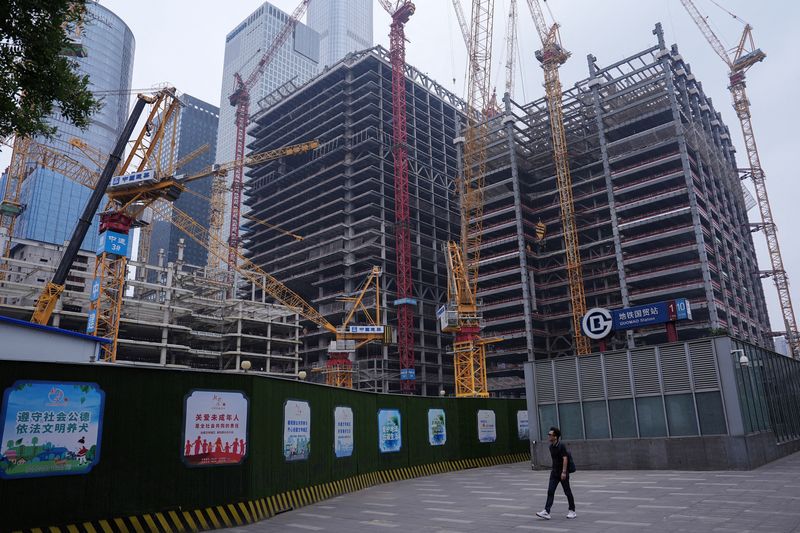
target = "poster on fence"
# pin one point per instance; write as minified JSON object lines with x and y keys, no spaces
{"x":522,"y":425}
{"x":437,"y":427}
{"x":389,"y":430}
{"x":214,"y":428}
{"x":296,"y":430}
{"x":487,"y":429}
{"x":343,"y":431}
{"x":50,"y":429}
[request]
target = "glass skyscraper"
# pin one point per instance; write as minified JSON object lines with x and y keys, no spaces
{"x":52,"y":201}
{"x":197,"y":125}
{"x":296,"y":61}
{"x":344,"y":26}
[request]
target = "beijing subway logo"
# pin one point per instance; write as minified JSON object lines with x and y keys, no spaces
{"x":597,"y":323}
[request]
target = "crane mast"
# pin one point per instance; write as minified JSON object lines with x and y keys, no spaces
{"x":739,"y":61}
{"x":461,"y":316}
{"x":552,"y":56}
{"x":511,"y":46}
{"x":401,"y":11}
{"x":240,"y":99}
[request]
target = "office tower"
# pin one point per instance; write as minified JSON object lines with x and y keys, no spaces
{"x":294,"y":64}
{"x":53,"y":202}
{"x":344,"y":26}
{"x":197,"y":126}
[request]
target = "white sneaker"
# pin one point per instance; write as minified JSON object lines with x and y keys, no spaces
{"x":543,"y":514}
{"x":572,"y":514}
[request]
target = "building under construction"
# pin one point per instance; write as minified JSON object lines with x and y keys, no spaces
{"x":340,"y":199}
{"x":661,"y":214}
{"x":173,"y":314}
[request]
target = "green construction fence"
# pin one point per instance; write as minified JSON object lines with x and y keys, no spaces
{"x":141,"y":469}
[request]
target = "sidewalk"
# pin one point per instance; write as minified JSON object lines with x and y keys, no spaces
{"x":505,"y":498}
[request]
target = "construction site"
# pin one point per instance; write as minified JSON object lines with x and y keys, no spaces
{"x":399,"y":238}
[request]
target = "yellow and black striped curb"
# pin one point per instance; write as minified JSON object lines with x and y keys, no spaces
{"x":247,"y":512}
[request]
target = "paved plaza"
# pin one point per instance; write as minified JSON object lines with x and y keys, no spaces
{"x":505,"y":498}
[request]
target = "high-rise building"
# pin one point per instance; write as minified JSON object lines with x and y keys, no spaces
{"x":197,"y":125}
{"x":344,"y":26}
{"x":52,"y":201}
{"x":294,"y":64}
{"x":340,"y":198}
{"x":659,"y":208}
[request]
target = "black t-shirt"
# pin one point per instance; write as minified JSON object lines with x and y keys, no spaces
{"x":558,"y":451}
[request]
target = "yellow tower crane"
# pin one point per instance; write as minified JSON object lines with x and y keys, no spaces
{"x":552,"y":56}
{"x":739,"y":61}
{"x":461,"y":315}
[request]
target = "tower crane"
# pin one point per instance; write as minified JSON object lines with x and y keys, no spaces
{"x":240,"y":99}
{"x":10,"y":203}
{"x":461,"y":315}
{"x":128,"y":201}
{"x":739,"y":61}
{"x":511,"y":46}
{"x":552,"y":56}
{"x":161,"y":104}
{"x":401,"y":11}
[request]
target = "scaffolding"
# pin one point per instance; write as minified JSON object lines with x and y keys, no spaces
{"x":172,"y":314}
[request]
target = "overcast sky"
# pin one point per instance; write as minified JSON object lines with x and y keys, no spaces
{"x":183,"y":42}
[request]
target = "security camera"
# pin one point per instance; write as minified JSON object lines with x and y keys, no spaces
{"x":743,"y":359}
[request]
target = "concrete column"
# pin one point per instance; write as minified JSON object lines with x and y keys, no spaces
{"x":527,"y":297}
{"x":594,"y":84}
{"x":666,"y":66}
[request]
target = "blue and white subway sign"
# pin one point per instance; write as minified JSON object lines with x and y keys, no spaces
{"x":112,"y":242}
{"x":132,"y":180}
{"x":655,"y":313}
{"x":598,"y":322}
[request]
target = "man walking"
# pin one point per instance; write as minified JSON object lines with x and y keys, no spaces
{"x":559,"y":474}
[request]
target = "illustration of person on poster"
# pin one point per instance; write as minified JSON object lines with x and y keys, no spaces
{"x":214,"y":423}
{"x":50,"y":429}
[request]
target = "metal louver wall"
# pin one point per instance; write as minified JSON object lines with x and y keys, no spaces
{"x":591,"y":378}
{"x":704,"y":366}
{"x":545,"y":390}
{"x":621,"y":379}
{"x":618,"y":376}
{"x":674,"y":368}
{"x":566,"y":380}
{"x":645,"y":372}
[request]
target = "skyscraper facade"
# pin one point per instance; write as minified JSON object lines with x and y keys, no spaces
{"x":295,"y":63}
{"x":344,"y":26}
{"x":197,"y":125}
{"x":52,"y":201}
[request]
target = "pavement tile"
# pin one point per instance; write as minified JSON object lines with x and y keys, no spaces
{"x":504,"y":499}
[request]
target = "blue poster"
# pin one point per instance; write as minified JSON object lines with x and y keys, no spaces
{"x":437,"y":427}
{"x":296,"y":430}
{"x":50,"y":429}
{"x":389,"y":430}
{"x":343,"y":428}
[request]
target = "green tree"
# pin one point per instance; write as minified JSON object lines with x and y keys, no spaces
{"x":38,"y":76}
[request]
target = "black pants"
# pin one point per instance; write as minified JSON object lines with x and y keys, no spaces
{"x":555,"y":479}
